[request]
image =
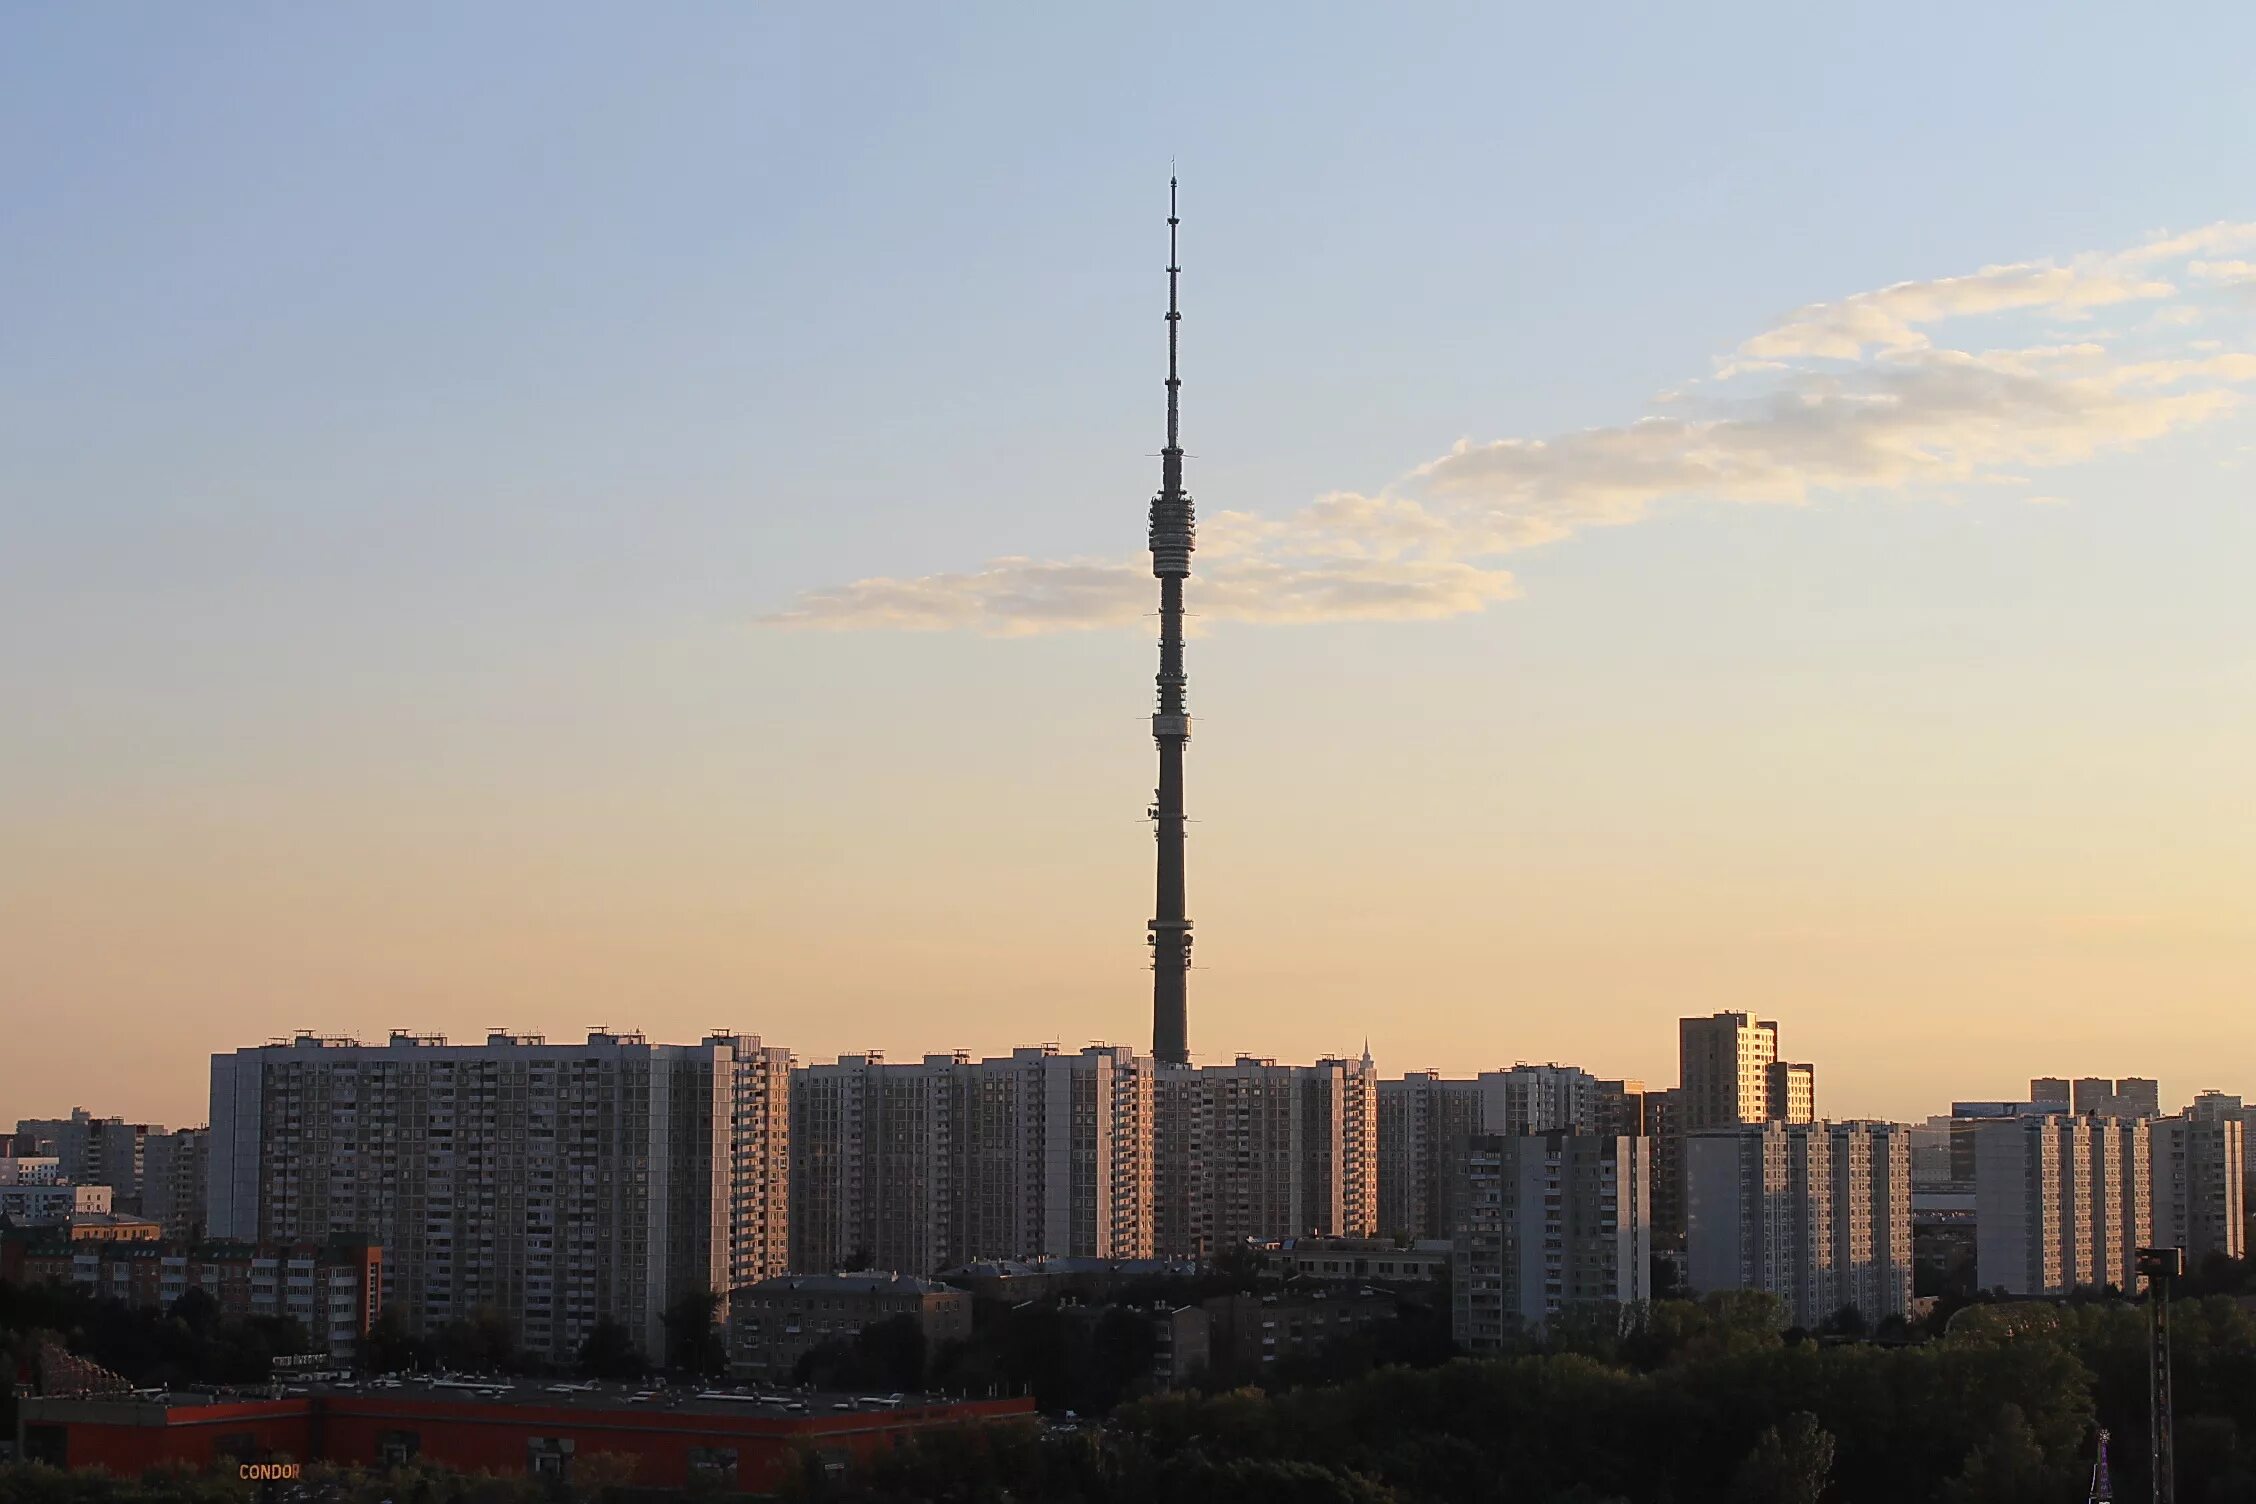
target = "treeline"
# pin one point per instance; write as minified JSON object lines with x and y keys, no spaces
{"x":1681,"y":1404}
{"x":192,"y":1342}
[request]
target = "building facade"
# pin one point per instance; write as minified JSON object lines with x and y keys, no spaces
{"x":92,"y":1151}
{"x":2062,"y":1202}
{"x":1255,"y":1151}
{"x":776,"y":1322}
{"x":174,"y":1167}
{"x":2200,"y":1180}
{"x":1818,"y":1214}
{"x":556,"y":1184}
{"x":917,"y":1167}
{"x":1550,"y":1220}
{"x":1425,"y":1119}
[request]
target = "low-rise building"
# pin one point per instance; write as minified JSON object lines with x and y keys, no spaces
{"x":43,"y":1203}
{"x":1253,"y":1333}
{"x":332,"y":1290}
{"x":1365,"y":1260}
{"x":775,"y":1323}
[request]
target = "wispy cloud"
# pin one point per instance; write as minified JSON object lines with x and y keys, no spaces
{"x":1866,"y":394}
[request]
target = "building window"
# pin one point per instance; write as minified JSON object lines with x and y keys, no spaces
{"x":397,"y":1448}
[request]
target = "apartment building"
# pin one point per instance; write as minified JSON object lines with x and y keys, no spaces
{"x":1549,"y":1221}
{"x":1425,"y":1119}
{"x":557,"y":1184}
{"x":1254,"y":1151}
{"x":917,"y":1167}
{"x":1818,"y":1214}
{"x":333,"y":1290}
{"x":2200,"y":1184}
{"x":776,"y":1322}
{"x":2061,"y":1202}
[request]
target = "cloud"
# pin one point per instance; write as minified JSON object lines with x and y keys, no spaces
{"x":1853,"y":396}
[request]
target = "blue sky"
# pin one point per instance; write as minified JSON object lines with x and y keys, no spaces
{"x":408,"y":413}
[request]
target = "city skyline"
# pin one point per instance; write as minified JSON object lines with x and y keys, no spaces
{"x":466,"y":518}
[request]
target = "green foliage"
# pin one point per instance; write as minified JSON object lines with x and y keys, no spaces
{"x":190,"y":1343}
{"x":1791,"y":1464}
{"x":609,"y":1353}
{"x":693,"y":1334}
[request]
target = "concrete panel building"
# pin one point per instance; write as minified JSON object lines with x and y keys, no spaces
{"x":917,"y":1167}
{"x":2062,"y":1202}
{"x":776,"y":1322}
{"x":1424,"y":1121}
{"x":557,"y":1184}
{"x":1255,"y":1151}
{"x":1550,"y":1221}
{"x":2200,"y":1180}
{"x":1818,"y":1214}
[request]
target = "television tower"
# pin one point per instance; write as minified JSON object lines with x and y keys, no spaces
{"x":1172,"y":529}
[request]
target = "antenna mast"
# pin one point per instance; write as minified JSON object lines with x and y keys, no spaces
{"x":1172,"y":530}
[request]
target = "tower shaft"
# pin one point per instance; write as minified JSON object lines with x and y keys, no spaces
{"x":1172,"y":530}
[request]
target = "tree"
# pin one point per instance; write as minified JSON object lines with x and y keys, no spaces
{"x":609,"y":1353}
{"x":693,"y":1336}
{"x":2009,"y":1468}
{"x":1790,"y":1464}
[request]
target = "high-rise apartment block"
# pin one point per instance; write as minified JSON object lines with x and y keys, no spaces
{"x":1259,"y":1150}
{"x":556,"y":1184}
{"x":1549,"y":1221}
{"x":93,"y":1151}
{"x":2200,"y":1176}
{"x":1724,"y":1070}
{"x":174,"y":1168}
{"x":1423,"y":1120}
{"x":2062,"y":1202}
{"x":1818,"y":1214}
{"x":915,"y":1167}
{"x":1729,"y":1075}
{"x":2098,"y":1096}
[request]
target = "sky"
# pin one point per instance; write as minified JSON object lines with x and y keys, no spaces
{"x":559,"y":516}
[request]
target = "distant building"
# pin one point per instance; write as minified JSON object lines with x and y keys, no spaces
{"x":2216,"y":1106}
{"x":1425,"y":1119}
{"x":2098,"y":1096}
{"x":1253,"y":1333}
{"x":93,"y":1151}
{"x":776,"y":1322}
{"x":332,"y":1290}
{"x":1818,"y":1214}
{"x":558,"y":1185}
{"x":31,"y":1169}
{"x":1255,"y":1151}
{"x":2062,"y":1202}
{"x":1791,"y":1093}
{"x":2200,"y":1179}
{"x":1379,"y":1261}
{"x":914,"y":1167}
{"x":1550,"y":1220}
{"x":41,"y":1203}
{"x":1423,"y":1123}
{"x":174,"y":1168}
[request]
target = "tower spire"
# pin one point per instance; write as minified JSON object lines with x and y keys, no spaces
{"x":1172,"y":530}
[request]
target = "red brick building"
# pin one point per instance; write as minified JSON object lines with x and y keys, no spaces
{"x":735,"y":1438}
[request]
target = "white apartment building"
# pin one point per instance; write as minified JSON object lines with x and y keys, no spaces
{"x":2061,"y":1202}
{"x":1257,"y":1150}
{"x":917,"y":1167}
{"x":1549,"y":1221}
{"x":559,"y":1184}
{"x":2200,"y":1184}
{"x":1818,"y":1214}
{"x":31,"y":1169}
